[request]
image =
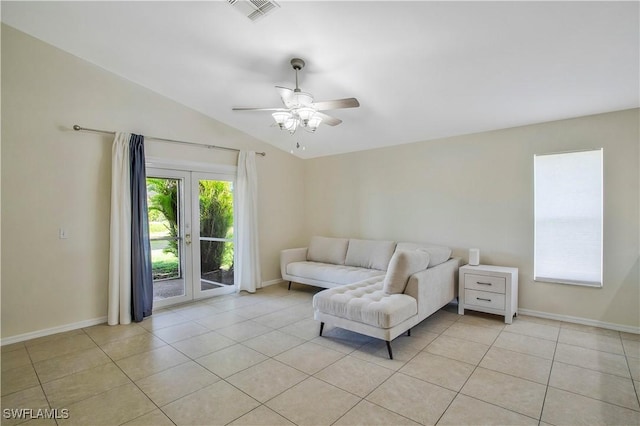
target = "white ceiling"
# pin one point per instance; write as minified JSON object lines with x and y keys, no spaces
{"x":421,"y":70}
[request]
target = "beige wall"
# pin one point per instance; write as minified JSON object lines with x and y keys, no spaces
{"x":477,"y":191}
{"x":54,"y":177}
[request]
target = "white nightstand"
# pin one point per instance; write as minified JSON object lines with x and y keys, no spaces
{"x":488,"y":288}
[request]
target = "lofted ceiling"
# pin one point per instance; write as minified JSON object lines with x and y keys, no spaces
{"x":420,"y":69}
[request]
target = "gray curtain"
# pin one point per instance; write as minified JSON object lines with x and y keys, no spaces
{"x":141,"y":275}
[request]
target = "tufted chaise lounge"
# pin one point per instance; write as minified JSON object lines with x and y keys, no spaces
{"x":364,"y":307}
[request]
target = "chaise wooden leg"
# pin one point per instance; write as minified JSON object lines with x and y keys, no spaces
{"x":389,"y":349}
{"x":321,"y":327}
{"x":289,"y":286}
{"x":409,"y":332}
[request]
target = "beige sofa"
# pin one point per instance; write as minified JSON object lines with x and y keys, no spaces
{"x":331,"y":262}
{"x":357,"y":281}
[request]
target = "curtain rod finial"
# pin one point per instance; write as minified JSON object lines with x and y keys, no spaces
{"x":76,"y":127}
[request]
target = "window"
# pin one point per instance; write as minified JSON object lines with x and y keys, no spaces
{"x":568,"y":218}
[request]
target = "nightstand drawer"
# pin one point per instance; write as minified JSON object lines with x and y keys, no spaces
{"x":484,"y":299}
{"x":485,"y":283}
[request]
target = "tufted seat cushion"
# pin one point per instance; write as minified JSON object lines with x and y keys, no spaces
{"x":340,"y":274}
{"x":367,"y":303}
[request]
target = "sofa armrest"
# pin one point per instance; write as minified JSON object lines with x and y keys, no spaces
{"x":289,"y":256}
{"x":434,"y":287}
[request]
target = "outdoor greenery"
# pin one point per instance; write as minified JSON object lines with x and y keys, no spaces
{"x":163,"y":204}
{"x":165,"y":266}
{"x":157,"y":226}
{"x":216,"y":221}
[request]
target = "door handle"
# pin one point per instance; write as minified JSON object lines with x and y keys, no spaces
{"x":187,"y":239}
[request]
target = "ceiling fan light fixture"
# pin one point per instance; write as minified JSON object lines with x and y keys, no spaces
{"x":313,"y":123}
{"x":305,"y":114}
{"x":291,"y":124}
{"x":281,"y":118}
{"x":299,"y":108}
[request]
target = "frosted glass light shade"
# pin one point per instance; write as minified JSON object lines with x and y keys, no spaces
{"x":281,"y":118}
{"x":314,"y":122}
{"x":291,"y":124}
{"x":305,"y":114}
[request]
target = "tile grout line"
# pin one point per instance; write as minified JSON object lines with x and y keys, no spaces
{"x":269,"y":357}
{"x":503,"y":329}
{"x":130,"y":379}
{"x":593,"y":369}
{"x":39,"y":380}
{"x":546,"y":390}
{"x":467,"y":380}
{"x":393,"y":372}
{"x":223,"y":379}
{"x":579,"y":394}
{"x":111,"y":361}
{"x":633,"y":382}
{"x":397,"y":371}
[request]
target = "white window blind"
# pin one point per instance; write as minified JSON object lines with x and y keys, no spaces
{"x":568,"y":217}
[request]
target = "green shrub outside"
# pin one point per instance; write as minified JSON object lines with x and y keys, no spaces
{"x":216,"y":220}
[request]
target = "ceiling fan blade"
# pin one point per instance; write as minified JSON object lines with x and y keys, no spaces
{"x":327,"y":119}
{"x":337,"y":104}
{"x":256,"y":109}
{"x":285,"y":95}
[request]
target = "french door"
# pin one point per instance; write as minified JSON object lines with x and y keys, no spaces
{"x":191,"y":224}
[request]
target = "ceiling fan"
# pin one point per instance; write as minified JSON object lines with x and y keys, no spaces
{"x":299,"y":108}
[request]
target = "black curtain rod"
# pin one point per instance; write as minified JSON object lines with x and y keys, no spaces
{"x":107,"y":132}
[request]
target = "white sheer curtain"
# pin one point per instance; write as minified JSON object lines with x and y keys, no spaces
{"x":248,"y":275}
{"x":120,"y":235}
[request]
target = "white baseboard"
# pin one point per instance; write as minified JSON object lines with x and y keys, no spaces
{"x":102,"y":320}
{"x":583,"y":321}
{"x":271,"y":282}
{"x":81,"y":324}
{"x":53,"y":330}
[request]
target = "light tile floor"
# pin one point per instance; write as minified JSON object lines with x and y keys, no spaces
{"x":257,"y":360}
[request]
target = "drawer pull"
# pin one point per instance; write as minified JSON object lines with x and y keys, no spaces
{"x":480,"y":298}
{"x":478,"y":282}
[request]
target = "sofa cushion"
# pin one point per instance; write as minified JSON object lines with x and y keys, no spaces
{"x":327,"y":250}
{"x":339,"y":274}
{"x":370,"y":254}
{"x":437,"y":254}
{"x":403,"y":264}
{"x":367,"y":303}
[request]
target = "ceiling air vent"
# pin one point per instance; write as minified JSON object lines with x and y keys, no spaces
{"x":254,"y":9}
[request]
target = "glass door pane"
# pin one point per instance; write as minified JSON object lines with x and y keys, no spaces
{"x":215,"y":233}
{"x":165,"y":201}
